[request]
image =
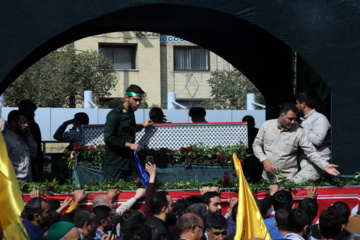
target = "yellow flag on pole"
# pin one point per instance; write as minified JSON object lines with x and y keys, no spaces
{"x":249,"y":221}
{"x":11,"y":202}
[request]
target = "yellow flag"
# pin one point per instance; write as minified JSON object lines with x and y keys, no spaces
{"x":249,"y":222}
{"x":11,"y":202}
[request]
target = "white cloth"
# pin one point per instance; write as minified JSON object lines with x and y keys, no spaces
{"x":280,"y":147}
{"x":20,"y":149}
{"x":293,"y":236}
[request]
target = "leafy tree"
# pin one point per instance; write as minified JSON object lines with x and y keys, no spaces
{"x":60,"y":79}
{"x":229,"y":89}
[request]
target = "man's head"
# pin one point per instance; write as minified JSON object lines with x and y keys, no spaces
{"x":282,"y":199}
{"x":190,"y":226}
{"x":343,"y":212}
{"x":37,"y":211}
{"x":301,"y":222}
{"x":130,"y":217}
{"x":282,"y":217}
{"x":18,"y":122}
{"x":28,"y":108}
{"x":103,"y":218}
{"x":161,"y":204}
{"x":329,"y":223}
{"x":133,"y":97}
{"x":197,"y":114}
{"x":104,"y":200}
{"x":212,"y":202}
{"x":250,"y":121}
{"x":63,"y":231}
{"x":216,"y":226}
{"x":85,"y":219}
{"x":81,"y":118}
{"x":304,"y":100}
{"x":310,"y":205}
{"x":198,"y":209}
{"x":287,"y":116}
{"x":156,"y":115}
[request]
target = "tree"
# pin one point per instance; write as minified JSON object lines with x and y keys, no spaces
{"x":60,"y":79}
{"x":229,"y":89}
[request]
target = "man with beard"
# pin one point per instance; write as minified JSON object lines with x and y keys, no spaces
{"x":161,"y":205}
{"x":104,"y":221}
{"x":317,"y":128}
{"x":20,"y":145}
{"x":85,"y":221}
{"x":119,"y":136}
{"x":212,"y":202}
{"x":37,"y":163}
{"x":38,"y":215}
{"x":277,"y":143}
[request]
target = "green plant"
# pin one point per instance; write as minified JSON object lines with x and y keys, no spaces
{"x":91,"y":155}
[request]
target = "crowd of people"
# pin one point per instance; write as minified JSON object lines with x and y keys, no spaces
{"x":196,"y":217}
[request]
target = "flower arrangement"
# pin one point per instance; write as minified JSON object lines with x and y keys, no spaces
{"x":91,"y":155}
{"x":193,"y":154}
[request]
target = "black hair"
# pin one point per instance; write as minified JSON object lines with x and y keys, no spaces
{"x":306,"y":97}
{"x":155,"y":111}
{"x":14,"y":115}
{"x":32,"y":207}
{"x":54,"y":205}
{"x":283,"y":217}
{"x":169,"y":236}
{"x":310,"y":205}
{"x":197,"y":112}
{"x":138,"y":231}
{"x":343,"y":211}
{"x":101,"y":212}
{"x":69,"y":217}
{"x":289,"y":107}
{"x":216,"y":221}
{"x":82,"y":117}
{"x":299,"y":220}
{"x":249,"y":119}
{"x":194,"y":199}
{"x":135,"y":88}
{"x":198,"y":209}
{"x":282,"y":199}
{"x":179,"y":207}
{"x":82,"y":216}
{"x":158,"y":200}
{"x":330,"y":224}
{"x":209,"y":195}
{"x":234,"y":212}
{"x":26,"y":104}
{"x":129,"y":217}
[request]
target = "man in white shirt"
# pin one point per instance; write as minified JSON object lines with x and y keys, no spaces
{"x":277,"y":142}
{"x":317,"y":128}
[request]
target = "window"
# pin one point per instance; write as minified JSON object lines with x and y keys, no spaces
{"x":191,"y":59}
{"x":123,"y":57}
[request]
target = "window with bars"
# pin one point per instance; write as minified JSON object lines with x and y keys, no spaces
{"x":191,"y":58}
{"x":123,"y":57}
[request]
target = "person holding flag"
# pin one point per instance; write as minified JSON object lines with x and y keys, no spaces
{"x":119,"y":136}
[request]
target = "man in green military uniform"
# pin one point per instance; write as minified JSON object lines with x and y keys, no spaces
{"x":119,"y":136}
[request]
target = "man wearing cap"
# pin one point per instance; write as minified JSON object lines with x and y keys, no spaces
{"x":63,"y":230}
{"x":119,"y":136}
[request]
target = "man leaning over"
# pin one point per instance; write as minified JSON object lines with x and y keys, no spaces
{"x":277,"y":143}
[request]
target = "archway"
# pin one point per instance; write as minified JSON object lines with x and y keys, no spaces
{"x":312,"y":29}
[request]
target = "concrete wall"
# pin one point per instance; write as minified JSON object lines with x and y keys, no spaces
{"x":49,"y":119}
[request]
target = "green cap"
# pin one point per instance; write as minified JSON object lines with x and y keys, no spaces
{"x":58,"y":230}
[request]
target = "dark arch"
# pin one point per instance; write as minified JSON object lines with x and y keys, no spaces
{"x":324,"y":33}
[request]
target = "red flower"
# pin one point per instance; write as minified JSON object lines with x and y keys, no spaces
{"x":137,"y":181}
{"x":191,"y":156}
{"x":226,"y":178}
{"x":172,"y":151}
{"x":91,"y":147}
{"x":182,"y":149}
{"x":189,"y":149}
{"x":76,"y":146}
{"x":73,"y":153}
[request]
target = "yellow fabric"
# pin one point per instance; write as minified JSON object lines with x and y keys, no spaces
{"x":73,"y":206}
{"x":11,"y":202}
{"x":249,"y":222}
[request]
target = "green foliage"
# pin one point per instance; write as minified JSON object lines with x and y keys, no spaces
{"x":229,"y":89}
{"x":60,"y":79}
{"x":194,"y":154}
